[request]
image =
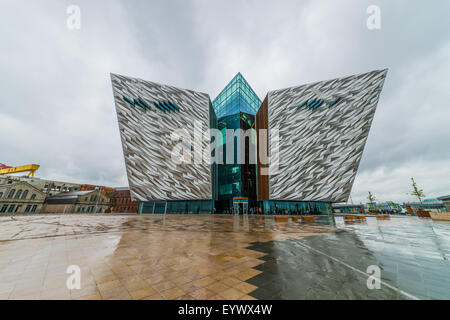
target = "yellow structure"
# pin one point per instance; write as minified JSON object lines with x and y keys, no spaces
{"x":29,"y":167}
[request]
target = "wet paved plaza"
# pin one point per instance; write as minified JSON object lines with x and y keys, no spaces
{"x":222,"y":257}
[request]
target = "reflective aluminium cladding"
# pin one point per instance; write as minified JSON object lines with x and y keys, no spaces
{"x":148,"y":114}
{"x":322,"y":129}
{"x":316,"y":136}
{"x":237,"y":97}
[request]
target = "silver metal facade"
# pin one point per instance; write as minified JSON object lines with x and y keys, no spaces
{"x":147,"y":143}
{"x":323,"y":128}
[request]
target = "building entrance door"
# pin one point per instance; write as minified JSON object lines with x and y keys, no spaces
{"x":244,"y":207}
{"x":240,"y":206}
{"x":153,"y":207}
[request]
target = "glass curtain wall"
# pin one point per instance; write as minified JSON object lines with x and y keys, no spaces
{"x":177,"y":207}
{"x":235,"y":108}
{"x":237,"y":97}
{"x":295,"y":208}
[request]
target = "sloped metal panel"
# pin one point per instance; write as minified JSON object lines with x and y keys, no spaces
{"x":147,"y":144}
{"x":323,"y":128}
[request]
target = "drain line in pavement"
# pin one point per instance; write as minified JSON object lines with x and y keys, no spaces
{"x":410,"y":296}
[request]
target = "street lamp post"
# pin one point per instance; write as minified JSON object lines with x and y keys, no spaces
{"x":98,"y":198}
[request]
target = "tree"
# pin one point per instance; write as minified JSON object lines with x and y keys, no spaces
{"x":372,"y":200}
{"x":416,"y":192}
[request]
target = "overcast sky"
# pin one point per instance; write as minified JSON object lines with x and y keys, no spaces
{"x":57,"y":109}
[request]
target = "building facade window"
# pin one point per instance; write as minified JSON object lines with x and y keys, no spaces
{"x":33,"y":196}
{"x":25,"y":194}
{"x":34,"y":208}
{"x":1,"y":195}
{"x":4,"y":208}
{"x":11,"y":208}
{"x":295,"y":208}
{"x":28,"y":208}
{"x":11,"y":193}
{"x":18,"y":194}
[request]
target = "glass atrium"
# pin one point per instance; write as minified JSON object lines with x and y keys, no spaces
{"x":237,"y":97}
{"x":234,"y":184}
{"x":235,"y":108}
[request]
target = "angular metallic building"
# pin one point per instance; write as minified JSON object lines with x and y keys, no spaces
{"x":316,"y":137}
{"x":310,"y":141}
{"x":150,"y":115}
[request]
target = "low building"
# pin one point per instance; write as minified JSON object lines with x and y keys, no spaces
{"x":94,"y":201}
{"x":49,"y":187}
{"x":428,"y":204}
{"x":52,"y":187}
{"x":389,"y":205}
{"x":20,"y":197}
{"x":446,"y":201}
{"x":121,"y":202}
{"x":106,"y":190}
{"x":347,"y":208}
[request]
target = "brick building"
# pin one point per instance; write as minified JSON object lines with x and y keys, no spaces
{"x":106,"y":190}
{"x":121,"y":201}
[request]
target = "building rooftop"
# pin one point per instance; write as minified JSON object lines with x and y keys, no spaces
{"x":70,"y":194}
{"x":122,"y":188}
{"x":236,"y":97}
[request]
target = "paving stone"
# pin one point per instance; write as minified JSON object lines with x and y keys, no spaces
{"x":199,"y":259}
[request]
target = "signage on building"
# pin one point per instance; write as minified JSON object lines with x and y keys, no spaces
{"x":319,"y":100}
{"x":316,"y":103}
{"x":165,"y":106}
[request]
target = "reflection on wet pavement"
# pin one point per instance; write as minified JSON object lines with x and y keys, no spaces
{"x":413,"y":252}
{"x":294,"y":271}
{"x":221,"y":257}
{"x":136,"y":257}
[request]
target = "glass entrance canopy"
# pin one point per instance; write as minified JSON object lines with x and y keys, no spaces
{"x":237,"y":97}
